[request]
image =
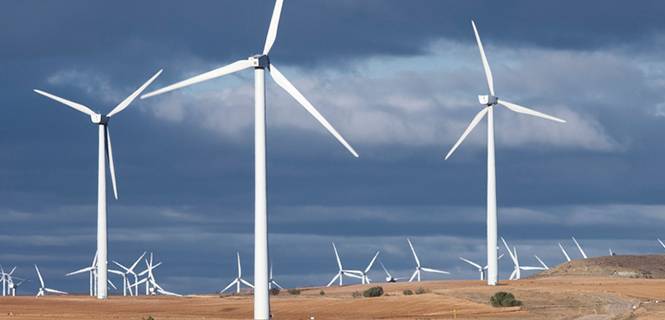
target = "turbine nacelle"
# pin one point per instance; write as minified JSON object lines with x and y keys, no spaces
{"x":488,"y":100}
{"x":99,"y":119}
{"x":260,"y":61}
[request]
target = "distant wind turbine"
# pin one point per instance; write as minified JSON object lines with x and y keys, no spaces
{"x":260,"y":63}
{"x":419,"y":268}
{"x":105,"y":152}
{"x":238,"y":280}
{"x":42,"y":287}
{"x":488,"y":102}
{"x":341,"y":272}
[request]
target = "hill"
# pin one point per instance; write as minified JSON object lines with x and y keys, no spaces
{"x":625,"y":266}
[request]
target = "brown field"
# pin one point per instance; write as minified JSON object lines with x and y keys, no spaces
{"x":569,"y":297}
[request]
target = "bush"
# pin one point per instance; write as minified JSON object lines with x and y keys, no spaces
{"x":294,"y":291}
{"x":421,"y":290}
{"x":504,"y":299}
{"x":274,"y":291}
{"x":322,"y":293}
{"x":356,"y":294}
{"x":373,"y":292}
{"x":407,"y":292}
{"x":149,"y":318}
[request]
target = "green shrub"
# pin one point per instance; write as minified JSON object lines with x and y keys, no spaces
{"x":421,"y":290}
{"x":356,"y":294}
{"x":407,"y":292}
{"x":294,"y":291}
{"x":274,"y":291}
{"x":504,"y":299}
{"x":322,"y":293}
{"x":373,"y":292}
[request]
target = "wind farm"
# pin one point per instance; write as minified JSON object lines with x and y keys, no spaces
{"x":236,"y":205}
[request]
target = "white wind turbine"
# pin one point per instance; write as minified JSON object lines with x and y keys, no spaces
{"x":130,"y":271}
{"x":238,"y":280}
{"x":579,"y":248}
{"x":517,"y":268}
{"x":261,"y":63}
{"x":365,"y":279}
{"x":565,"y":254}
{"x":7,"y":281}
{"x":420,"y":268}
{"x":91,"y":270}
{"x":488,"y":102}
{"x":43,"y":289}
{"x":341,"y":272}
{"x":105,"y":152}
{"x":481,"y":270}
{"x":272,"y":281}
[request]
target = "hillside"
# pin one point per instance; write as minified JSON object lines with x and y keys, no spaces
{"x":625,"y":266}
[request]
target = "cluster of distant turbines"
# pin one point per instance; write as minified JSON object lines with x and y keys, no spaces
{"x":133,"y":280}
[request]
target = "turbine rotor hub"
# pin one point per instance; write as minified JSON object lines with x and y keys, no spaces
{"x":488,"y":100}
{"x":260,"y":61}
{"x":99,"y":119}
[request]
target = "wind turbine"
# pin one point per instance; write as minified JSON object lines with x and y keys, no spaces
{"x":365,"y":279}
{"x":272,"y":281}
{"x":105,"y":152}
{"x":420,"y":268}
{"x":579,"y":248}
{"x":517,"y":268}
{"x":564,"y":252}
{"x":91,"y":270}
{"x":481,"y":270}
{"x":238,"y":280}
{"x":130,"y":271}
{"x":389,"y":277}
{"x":488,"y":102}
{"x":43,"y":289}
{"x":261,"y":63}
{"x":341,"y":272}
{"x":6,"y":279}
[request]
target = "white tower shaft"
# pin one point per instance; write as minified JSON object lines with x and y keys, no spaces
{"x":492,"y":261}
{"x":261,"y":293}
{"x":101,"y":216}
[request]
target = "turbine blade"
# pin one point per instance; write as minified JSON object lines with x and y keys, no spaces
{"x":525,"y":110}
{"x":112,"y":285}
{"x":86,"y":269}
{"x":281,"y":80}
{"x":435,"y":270}
{"x":661,"y":243}
{"x":384,"y":269}
{"x":471,"y":263}
{"x":274,"y":25}
{"x":41,"y":280}
{"x":415,"y":256}
{"x":239,"y":267}
{"x":513,"y":257}
{"x":109,"y":156}
{"x":580,"y":248}
{"x":528,"y":268}
{"x":121,"y":266}
{"x":125,"y":103}
{"x":137,"y":261}
{"x":541,"y":262}
{"x":564,"y":252}
{"x":333,"y":279}
{"x":479,"y":116}
{"x":339,"y":262}
{"x":219,"y":72}
{"x":486,"y":65}
{"x":369,"y":266}
{"x":247,"y":283}
{"x":64,"y":101}
{"x":413,"y":275}
{"x":54,"y":291}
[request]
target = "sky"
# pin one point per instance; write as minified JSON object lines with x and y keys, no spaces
{"x":398,"y":79}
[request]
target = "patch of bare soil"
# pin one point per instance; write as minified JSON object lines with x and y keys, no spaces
{"x":624,"y":266}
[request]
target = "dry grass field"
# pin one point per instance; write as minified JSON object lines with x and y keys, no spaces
{"x":572,"y":297}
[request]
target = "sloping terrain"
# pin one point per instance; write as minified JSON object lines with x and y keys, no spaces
{"x":588,"y":298}
{"x":624,"y":266}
